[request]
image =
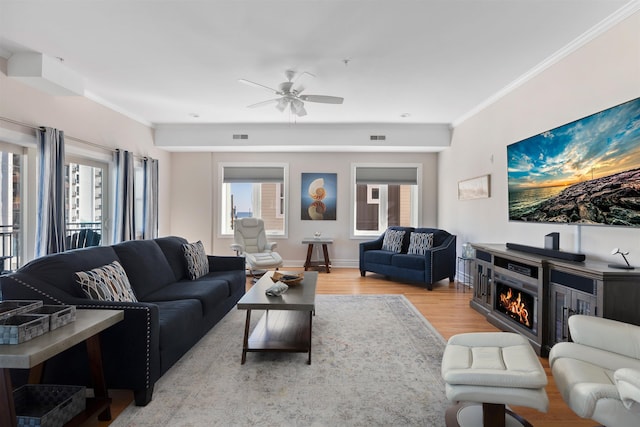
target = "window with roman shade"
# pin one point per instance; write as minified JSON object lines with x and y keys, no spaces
{"x":385,"y":195}
{"x":254,"y":190}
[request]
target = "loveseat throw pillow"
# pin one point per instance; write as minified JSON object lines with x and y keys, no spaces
{"x":106,"y":283}
{"x":419,"y":243}
{"x":392,"y":240}
{"x":196,"y":259}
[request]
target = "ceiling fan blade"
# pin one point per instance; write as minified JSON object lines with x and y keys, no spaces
{"x":250,"y":83}
{"x":301,"y":81}
{"x":263,"y":103}
{"x":324,"y":99}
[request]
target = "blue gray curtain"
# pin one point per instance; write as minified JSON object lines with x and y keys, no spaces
{"x":150,"y":203}
{"x":124,"y":222}
{"x":50,"y":221}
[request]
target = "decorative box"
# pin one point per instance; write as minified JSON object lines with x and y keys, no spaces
{"x":59,"y":315}
{"x":12,"y":307}
{"x":43,"y":405}
{"x":23,"y":327}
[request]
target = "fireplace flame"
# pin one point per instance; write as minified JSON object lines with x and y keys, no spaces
{"x":515,"y":306}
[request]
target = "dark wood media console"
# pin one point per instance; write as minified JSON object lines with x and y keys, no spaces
{"x":534,"y":294}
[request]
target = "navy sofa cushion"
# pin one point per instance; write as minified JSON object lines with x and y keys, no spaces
{"x":414,"y":262}
{"x":379,"y":256}
{"x":209,"y":292}
{"x":177,"y":320}
{"x":172,"y":248}
{"x":59,"y":269}
{"x":439,"y":236}
{"x":146,"y":266}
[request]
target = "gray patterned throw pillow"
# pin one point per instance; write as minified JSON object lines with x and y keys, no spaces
{"x":419,"y":243}
{"x":196,"y":259}
{"x":393,"y":240}
{"x":106,"y":283}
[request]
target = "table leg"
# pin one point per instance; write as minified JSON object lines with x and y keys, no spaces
{"x":35,"y":374}
{"x":97,"y":374}
{"x":311,"y":313}
{"x":307,"y":263}
{"x":326,"y":257}
{"x":8,"y":415}
{"x":245,"y":341}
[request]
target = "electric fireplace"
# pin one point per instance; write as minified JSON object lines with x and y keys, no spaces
{"x":517,"y":305}
{"x":517,"y":293}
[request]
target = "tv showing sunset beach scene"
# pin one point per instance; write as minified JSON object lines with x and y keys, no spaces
{"x":584,"y":172}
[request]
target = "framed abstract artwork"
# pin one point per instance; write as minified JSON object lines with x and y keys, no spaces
{"x":318,"y":196}
{"x":475,"y":188}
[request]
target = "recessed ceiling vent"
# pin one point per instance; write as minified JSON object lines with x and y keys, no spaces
{"x":240,"y":136}
{"x":378,"y":137}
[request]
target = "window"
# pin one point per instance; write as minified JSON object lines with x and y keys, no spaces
{"x":11,"y":182}
{"x":138,"y":195}
{"x":254,"y":191}
{"x":83,"y":202}
{"x":385,"y":195}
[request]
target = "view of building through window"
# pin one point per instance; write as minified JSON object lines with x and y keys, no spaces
{"x":83,"y":205}
{"x":381,"y":206}
{"x":10,"y":210}
{"x":250,"y":199}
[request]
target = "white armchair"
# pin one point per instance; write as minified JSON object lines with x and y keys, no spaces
{"x":250,"y":241}
{"x":598,"y":374}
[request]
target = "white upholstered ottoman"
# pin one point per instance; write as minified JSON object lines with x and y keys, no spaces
{"x":492,"y":369}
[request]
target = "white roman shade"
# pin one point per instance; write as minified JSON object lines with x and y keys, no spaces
{"x":387,"y":175}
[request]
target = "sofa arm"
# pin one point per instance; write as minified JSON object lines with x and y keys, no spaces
{"x":628,"y":385}
{"x":369,"y":246}
{"x":441,"y":260}
{"x":130,"y":348}
{"x":225,"y":263}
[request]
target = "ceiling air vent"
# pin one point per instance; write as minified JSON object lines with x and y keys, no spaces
{"x":240,"y":136}
{"x":377,"y":137}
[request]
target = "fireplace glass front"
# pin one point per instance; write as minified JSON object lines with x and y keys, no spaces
{"x":516,"y":304}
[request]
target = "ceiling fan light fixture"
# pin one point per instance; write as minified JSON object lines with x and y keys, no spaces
{"x":297,"y":108}
{"x":290,"y":94}
{"x":282,"y":104}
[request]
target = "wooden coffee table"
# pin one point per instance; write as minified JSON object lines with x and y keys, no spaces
{"x":286,"y":324}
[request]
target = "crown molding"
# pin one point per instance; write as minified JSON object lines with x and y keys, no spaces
{"x":597,"y":30}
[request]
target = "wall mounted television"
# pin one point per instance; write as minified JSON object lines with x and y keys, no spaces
{"x":584,"y":172}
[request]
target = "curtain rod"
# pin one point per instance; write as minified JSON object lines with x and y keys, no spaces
{"x":93,"y":144}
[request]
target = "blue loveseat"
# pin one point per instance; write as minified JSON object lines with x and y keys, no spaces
{"x":172,"y":314}
{"x":436,"y":264}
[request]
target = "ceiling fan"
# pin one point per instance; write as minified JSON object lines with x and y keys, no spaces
{"x":289,"y":93}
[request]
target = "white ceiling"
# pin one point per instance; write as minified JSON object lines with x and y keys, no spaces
{"x":163,"y":61}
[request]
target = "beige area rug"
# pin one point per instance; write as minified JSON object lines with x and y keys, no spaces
{"x":375,"y":362}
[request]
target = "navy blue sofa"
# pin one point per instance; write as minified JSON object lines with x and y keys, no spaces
{"x":172,"y":314}
{"x":436,"y":264}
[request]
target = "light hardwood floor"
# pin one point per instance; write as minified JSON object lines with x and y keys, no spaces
{"x":446,"y":308}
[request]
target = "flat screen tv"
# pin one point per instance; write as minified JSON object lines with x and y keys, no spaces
{"x":584,"y":172}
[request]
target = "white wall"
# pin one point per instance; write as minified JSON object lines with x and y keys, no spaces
{"x":603,"y":73}
{"x":195,"y":203}
{"x":84,"y":119}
